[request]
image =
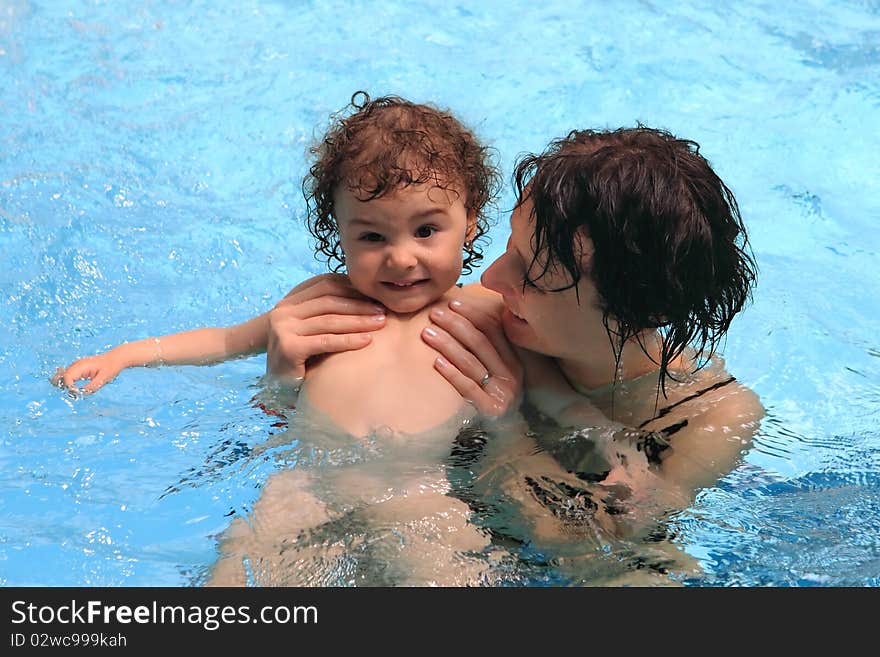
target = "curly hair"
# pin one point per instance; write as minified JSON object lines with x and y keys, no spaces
{"x":389,"y":143}
{"x":670,"y":251}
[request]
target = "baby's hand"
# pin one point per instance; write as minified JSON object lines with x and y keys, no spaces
{"x":101,"y":369}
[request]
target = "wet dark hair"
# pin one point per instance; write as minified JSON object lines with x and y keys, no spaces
{"x":377,"y":146}
{"x":670,"y":248}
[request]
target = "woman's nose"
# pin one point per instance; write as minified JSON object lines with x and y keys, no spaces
{"x":494,"y":277}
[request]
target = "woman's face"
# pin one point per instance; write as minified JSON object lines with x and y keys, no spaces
{"x":559,"y":324}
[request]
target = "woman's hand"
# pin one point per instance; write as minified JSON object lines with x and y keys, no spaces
{"x":475,"y":357}
{"x":322,"y":315}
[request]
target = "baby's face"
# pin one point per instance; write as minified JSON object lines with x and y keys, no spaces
{"x":404,"y":250}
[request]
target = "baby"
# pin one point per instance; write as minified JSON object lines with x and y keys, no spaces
{"x":396,"y":197}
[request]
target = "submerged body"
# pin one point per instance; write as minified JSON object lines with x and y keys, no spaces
{"x":369,"y":510}
{"x":431,"y":508}
{"x":580,"y":496}
{"x":366,"y":501}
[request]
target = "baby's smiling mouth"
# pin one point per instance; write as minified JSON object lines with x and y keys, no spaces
{"x":404,"y":285}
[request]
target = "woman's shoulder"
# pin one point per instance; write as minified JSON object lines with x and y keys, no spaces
{"x":738,"y":405}
{"x":732,"y":399}
{"x":708,"y":392}
{"x":709,"y":428}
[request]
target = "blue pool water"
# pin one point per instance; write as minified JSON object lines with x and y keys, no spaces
{"x":150,"y":159}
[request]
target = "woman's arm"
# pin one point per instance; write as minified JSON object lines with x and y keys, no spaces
{"x":549,"y":392}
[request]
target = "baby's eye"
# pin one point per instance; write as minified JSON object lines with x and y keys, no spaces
{"x":425,"y":231}
{"x":371,"y":237}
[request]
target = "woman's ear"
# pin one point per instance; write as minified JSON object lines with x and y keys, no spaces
{"x":584,"y":249}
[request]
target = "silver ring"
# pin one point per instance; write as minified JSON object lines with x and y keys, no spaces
{"x":485,"y":380}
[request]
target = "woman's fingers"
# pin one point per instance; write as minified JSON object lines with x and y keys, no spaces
{"x":294,"y":351}
{"x":328,"y":343}
{"x":327,"y":305}
{"x":454,"y":352}
{"x":336,"y":324}
{"x":495,"y":399}
{"x":489,"y":325}
{"x":287,"y":354}
{"x":324,"y":285}
{"x":324,"y":314}
{"x":475,"y":357}
{"x":290,"y":328}
{"x":464,"y":384}
{"x":480,"y":335}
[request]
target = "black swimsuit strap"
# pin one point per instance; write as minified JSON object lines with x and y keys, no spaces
{"x":665,"y":411}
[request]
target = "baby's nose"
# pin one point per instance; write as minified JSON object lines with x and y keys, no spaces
{"x":401,"y":257}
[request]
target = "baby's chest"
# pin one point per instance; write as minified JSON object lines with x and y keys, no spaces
{"x":390,"y":383}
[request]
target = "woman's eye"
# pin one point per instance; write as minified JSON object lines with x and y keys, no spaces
{"x":425,"y":231}
{"x":371,"y":237}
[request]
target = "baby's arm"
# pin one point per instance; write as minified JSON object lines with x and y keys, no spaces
{"x":321,"y":315}
{"x":202,"y":346}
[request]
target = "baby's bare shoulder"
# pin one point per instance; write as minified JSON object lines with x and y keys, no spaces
{"x":475,"y":294}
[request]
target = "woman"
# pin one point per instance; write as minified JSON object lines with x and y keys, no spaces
{"x":626,"y":264}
